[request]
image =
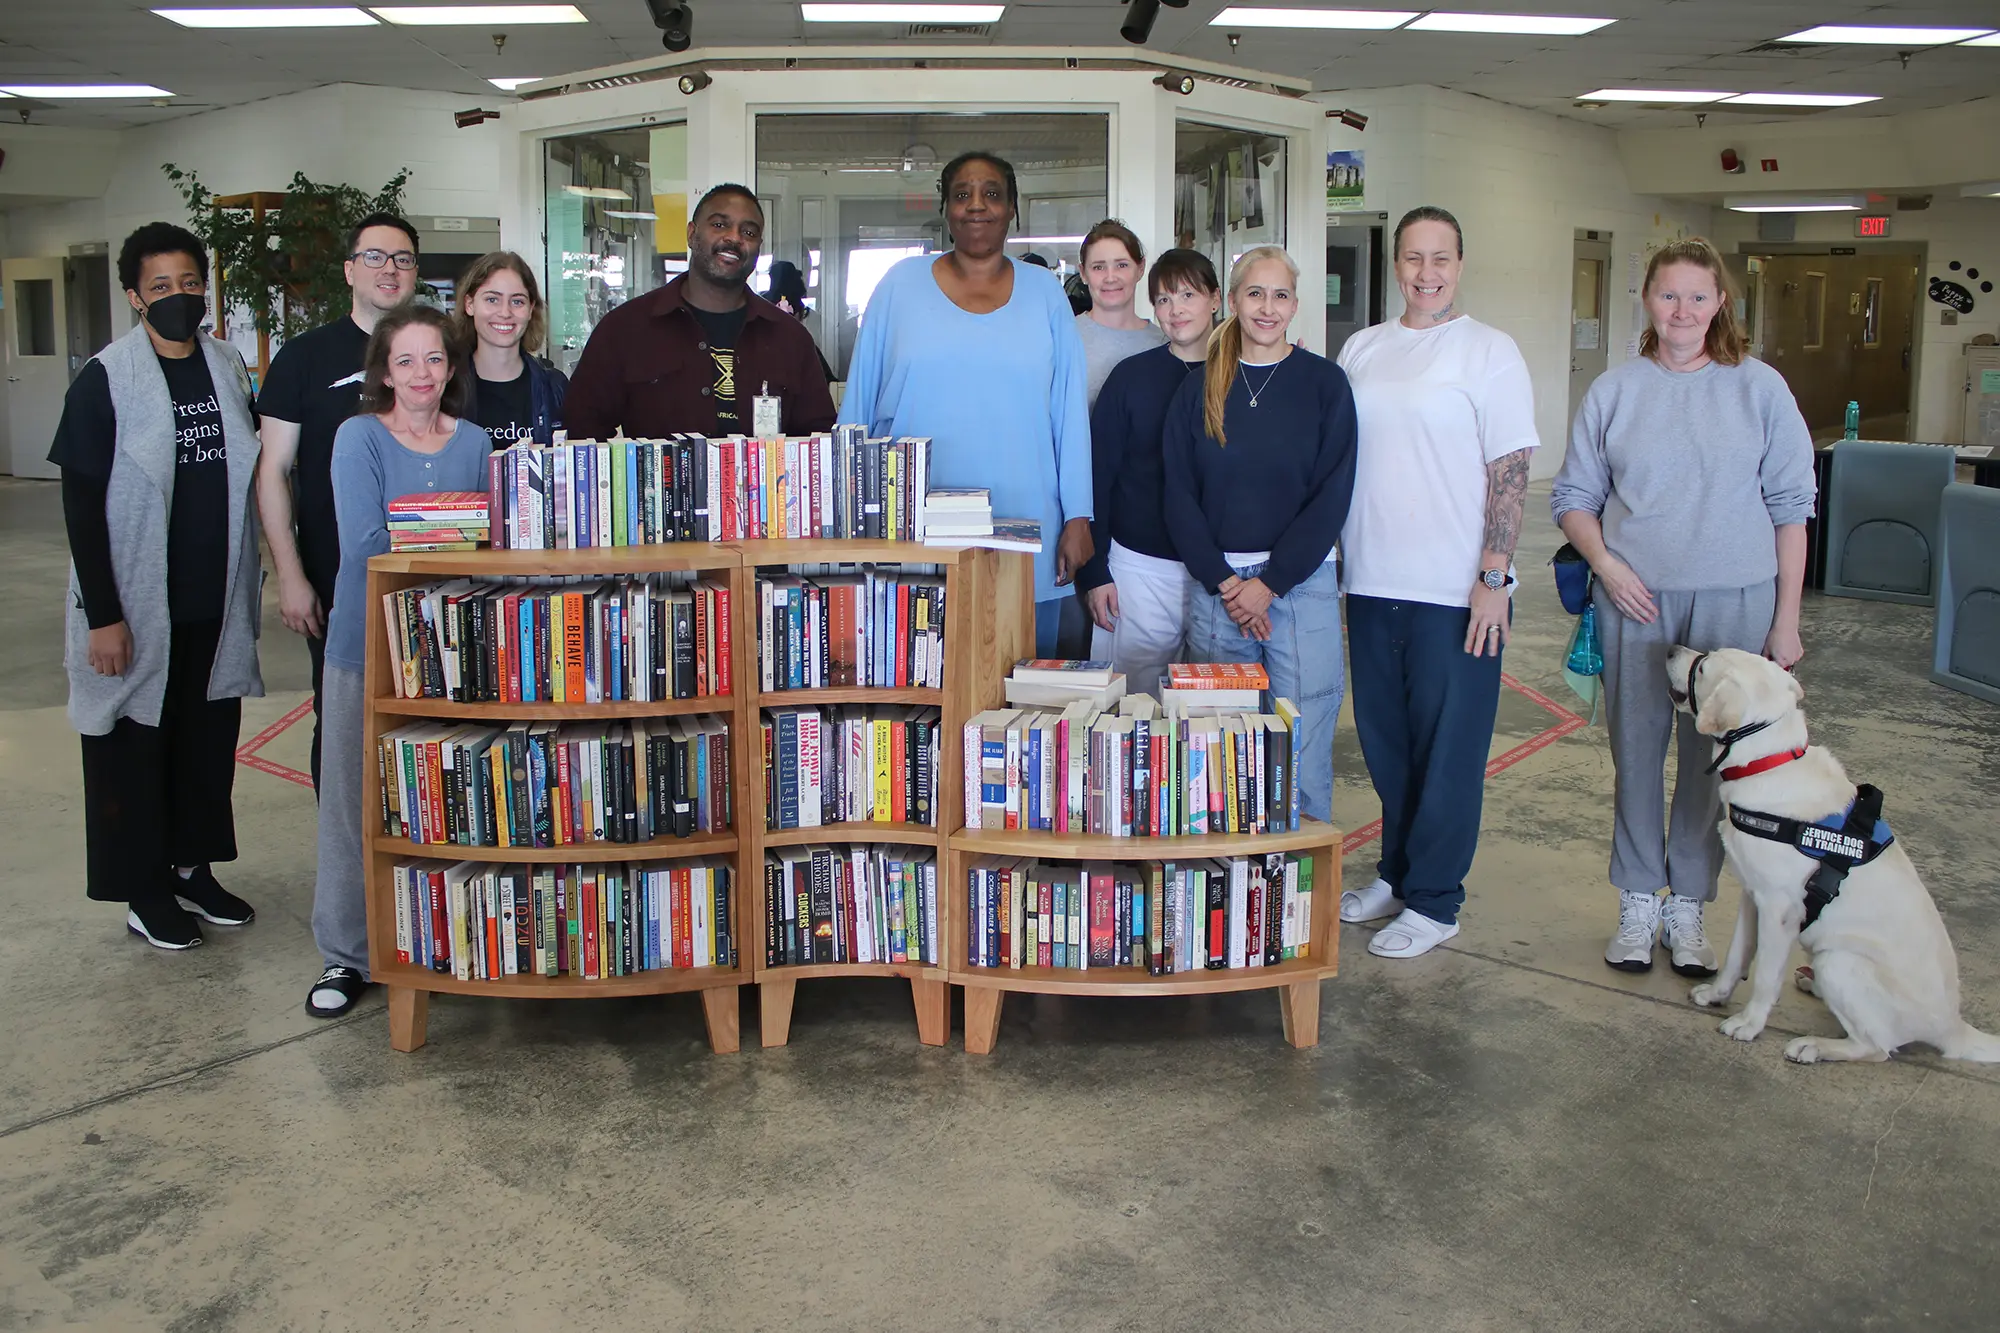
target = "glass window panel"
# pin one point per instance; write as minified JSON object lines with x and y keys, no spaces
{"x":848,"y":195}
{"x":1229,"y":191}
{"x":617,"y":225}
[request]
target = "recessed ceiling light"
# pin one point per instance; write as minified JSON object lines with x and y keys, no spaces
{"x":1543,"y":25}
{"x":1801,"y":99}
{"x":597,"y":192}
{"x":1987,"y":190}
{"x":1849,"y":203}
{"x":268,"y":18}
{"x":445,"y":16}
{"x":55,"y":91}
{"x":1372,"y":20}
{"x":890,"y":13}
{"x":1649,"y":95}
{"x":1842,"y":34}
{"x":508,"y":85}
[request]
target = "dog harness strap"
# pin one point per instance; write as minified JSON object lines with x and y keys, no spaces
{"x":1764,"y":765}
{"x":1854,"y":837}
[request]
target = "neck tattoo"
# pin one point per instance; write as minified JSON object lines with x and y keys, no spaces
{"x":1439,"y":316}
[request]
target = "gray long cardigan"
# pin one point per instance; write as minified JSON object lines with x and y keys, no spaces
{"x":137,"y":501}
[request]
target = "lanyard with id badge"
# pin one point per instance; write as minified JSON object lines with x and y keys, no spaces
{"x":766,"y":418}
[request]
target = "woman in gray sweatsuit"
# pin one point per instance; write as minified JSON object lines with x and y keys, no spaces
{"x":1687,"y":487}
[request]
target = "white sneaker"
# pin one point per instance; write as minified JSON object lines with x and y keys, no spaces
{"x":1631,"y":949}
{"x":1680,"y":931}
{"x":1377,"y":900}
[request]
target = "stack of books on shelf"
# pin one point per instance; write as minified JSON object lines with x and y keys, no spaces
{"x":689,"y":488}
{"x":1169,"y":917}
{"x":439,"y":521}
{"x":485,"y":922}
{"x":850,"y":764}
{"x":1215,"y":686}
{"x":1045,"y":682}
{"x":1145,"y":770}
{"x":1002,"y":534}
{"x":548,"y":784}
{"x":850,"y":905}
{"x":560,"y":640}
{"x":955,"y":513}
{"x":843,"y":627}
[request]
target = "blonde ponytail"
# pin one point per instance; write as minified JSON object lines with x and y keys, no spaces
{"x":1225,"y":345}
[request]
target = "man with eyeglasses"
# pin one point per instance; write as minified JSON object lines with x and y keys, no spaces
{"x":315,"y":384}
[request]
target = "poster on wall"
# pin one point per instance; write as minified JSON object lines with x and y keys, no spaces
{"x":1345,"y":181}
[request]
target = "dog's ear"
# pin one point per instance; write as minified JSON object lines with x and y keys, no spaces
{"x":1798,"y":690}
{"x":1722,"y":706}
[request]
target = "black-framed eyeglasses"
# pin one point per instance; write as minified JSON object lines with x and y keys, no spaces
{"x":405,"y":259}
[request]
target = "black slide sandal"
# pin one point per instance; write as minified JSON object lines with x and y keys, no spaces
{"x":348,"y":982}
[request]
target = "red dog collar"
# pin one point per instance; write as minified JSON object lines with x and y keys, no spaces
{"x":1764,"y":765}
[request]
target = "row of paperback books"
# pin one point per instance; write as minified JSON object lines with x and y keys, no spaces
{"x":481,"y":922}
{"x":439,"y":521}
{"x":548,"y":784}
{"x":560,"y":640}
{"x":1169,"y":917}
{"x":875,"y":627}
{"x":1141,"y":771}
{"x":688,"y":488}
{"x":850,"y":763}
{"x":850,"y":905}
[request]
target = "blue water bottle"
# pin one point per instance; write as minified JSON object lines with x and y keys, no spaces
{"x":1585,"y":659}
{"x":1853,"y":420}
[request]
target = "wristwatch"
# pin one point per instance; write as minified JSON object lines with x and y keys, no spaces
{"x":1496,"y":579}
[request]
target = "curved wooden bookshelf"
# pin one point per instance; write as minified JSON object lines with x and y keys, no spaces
{"x":920,"y":835}
{"x":657,"y":849}
{"x":1099,"y":847}
{"x":852,"y":694}
{"x":500,"y":714}
{"x":659,"y":981}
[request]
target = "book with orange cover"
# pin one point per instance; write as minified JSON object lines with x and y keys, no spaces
{"x":574,"y":630}
{"x":1217,"y":676}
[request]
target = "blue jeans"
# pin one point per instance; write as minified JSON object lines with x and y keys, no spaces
{"x":1424,"y":710}
{"x":1302,"y":657}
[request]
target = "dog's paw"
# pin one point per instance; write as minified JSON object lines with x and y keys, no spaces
{"x":1708,"y":995}
{"x":1802,"y":1050}
{"x":1742,"y":1027}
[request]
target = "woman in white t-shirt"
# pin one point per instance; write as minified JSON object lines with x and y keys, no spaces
{"x":1447,"y":421}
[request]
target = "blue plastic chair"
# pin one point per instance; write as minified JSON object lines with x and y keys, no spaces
{"x":1882,"y":520}
{"x":1965,"y":650}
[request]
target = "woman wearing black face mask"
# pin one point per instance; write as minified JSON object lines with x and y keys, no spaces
{"x":158,"y":450}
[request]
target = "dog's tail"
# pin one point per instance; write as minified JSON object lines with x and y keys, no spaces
{"x":1969,"y":1043}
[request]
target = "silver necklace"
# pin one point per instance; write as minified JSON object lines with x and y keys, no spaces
{"x":1257,"y":392}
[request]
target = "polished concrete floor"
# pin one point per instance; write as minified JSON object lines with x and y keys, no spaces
{"x":1505,"y":1135}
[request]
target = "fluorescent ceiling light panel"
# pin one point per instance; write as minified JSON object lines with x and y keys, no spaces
{"x":508,"y":85}
{"x":629,"y":213}
{"x":1841,"y":34}
{"x":1541,"y":25}
{"x":1990,"y":40}
{"x":1366,"y":20}
{"x":446,"y":16}
{"x":889,"y":13}
{"x":269,"y":18}
{"x":1649,"y":95}
{"x":1799,"y":99}
{"x":1988,"y":190}
{"x":597,"y":192}
{"x":56,"y":91}
{"x":1815,"y":204}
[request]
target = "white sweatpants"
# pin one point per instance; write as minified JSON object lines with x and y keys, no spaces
{"x":1152,"y":616}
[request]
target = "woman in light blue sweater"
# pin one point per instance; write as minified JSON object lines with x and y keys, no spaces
{"x":408,"y":439}
{"x":981,"y":354}
{"x":1687,"y":487}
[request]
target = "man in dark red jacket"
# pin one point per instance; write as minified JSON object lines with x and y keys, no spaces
{"x":692,"y":355}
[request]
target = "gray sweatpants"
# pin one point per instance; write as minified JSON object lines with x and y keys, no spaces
{"x":340,"y":899}
{"x":1647,"y":849}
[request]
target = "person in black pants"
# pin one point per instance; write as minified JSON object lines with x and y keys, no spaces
{"x":314,"y":385}
{"x":157,"y":448}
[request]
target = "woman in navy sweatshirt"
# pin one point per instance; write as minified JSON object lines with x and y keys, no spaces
{"x":1259,"y":471}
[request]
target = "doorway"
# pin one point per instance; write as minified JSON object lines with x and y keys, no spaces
{"x":1841,"y":328}
{"x":1354,"y":278}
{"x":1588,"y":307}
{"x":38,"y":353}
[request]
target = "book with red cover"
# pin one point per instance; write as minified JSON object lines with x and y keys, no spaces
{"x":456,"y":504}
{"x":1217,"y":676}
{"x":1102,"y":920}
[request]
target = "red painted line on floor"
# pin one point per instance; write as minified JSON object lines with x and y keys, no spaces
{"x":246,"y":753}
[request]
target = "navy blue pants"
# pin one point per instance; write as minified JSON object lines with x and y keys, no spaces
{"x":1424,"y":710}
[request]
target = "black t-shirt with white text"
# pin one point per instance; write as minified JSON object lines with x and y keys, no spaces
{"x":506,"y":408}
{"x":722,"y":328}
{"x":315,"y":383}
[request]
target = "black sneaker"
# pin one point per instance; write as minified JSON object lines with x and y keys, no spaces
{"x":337,"y":990}
{"x":200,"y":894}
{"x":163,"y":923}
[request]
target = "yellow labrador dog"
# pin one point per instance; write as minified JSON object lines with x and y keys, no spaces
{"x":1880,"y":956}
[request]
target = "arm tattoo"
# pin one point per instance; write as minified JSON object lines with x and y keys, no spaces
{"x":1506,"y":498}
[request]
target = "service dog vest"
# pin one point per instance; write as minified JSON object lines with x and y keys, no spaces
{"x":1840,"y":842}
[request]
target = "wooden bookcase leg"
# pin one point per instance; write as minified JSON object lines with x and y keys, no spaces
{"x":774,"y":1010}
{"x":409,"y":1012}
{"x":1299,"y":1005}
{"x":719,"y":1010}
{"x":982,"y":1018}
{"x":933,"y":1000}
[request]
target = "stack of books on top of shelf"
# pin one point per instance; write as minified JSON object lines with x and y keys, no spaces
{"x":560,"y":640}
{"x":1045,"y":682}
{"x":875,"y":627}
{"x":1146,"y":770}
{"x":848,"y":764}
{"x":439,"y":521}
{"x":544,"y":784}
{"x":483,"y":922}
{"x":1168,"y":917}
{"x":689,"y":488}
{"x":1215,"y":686}
{"x":859,"y":904}
{"x":958,"y":512}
